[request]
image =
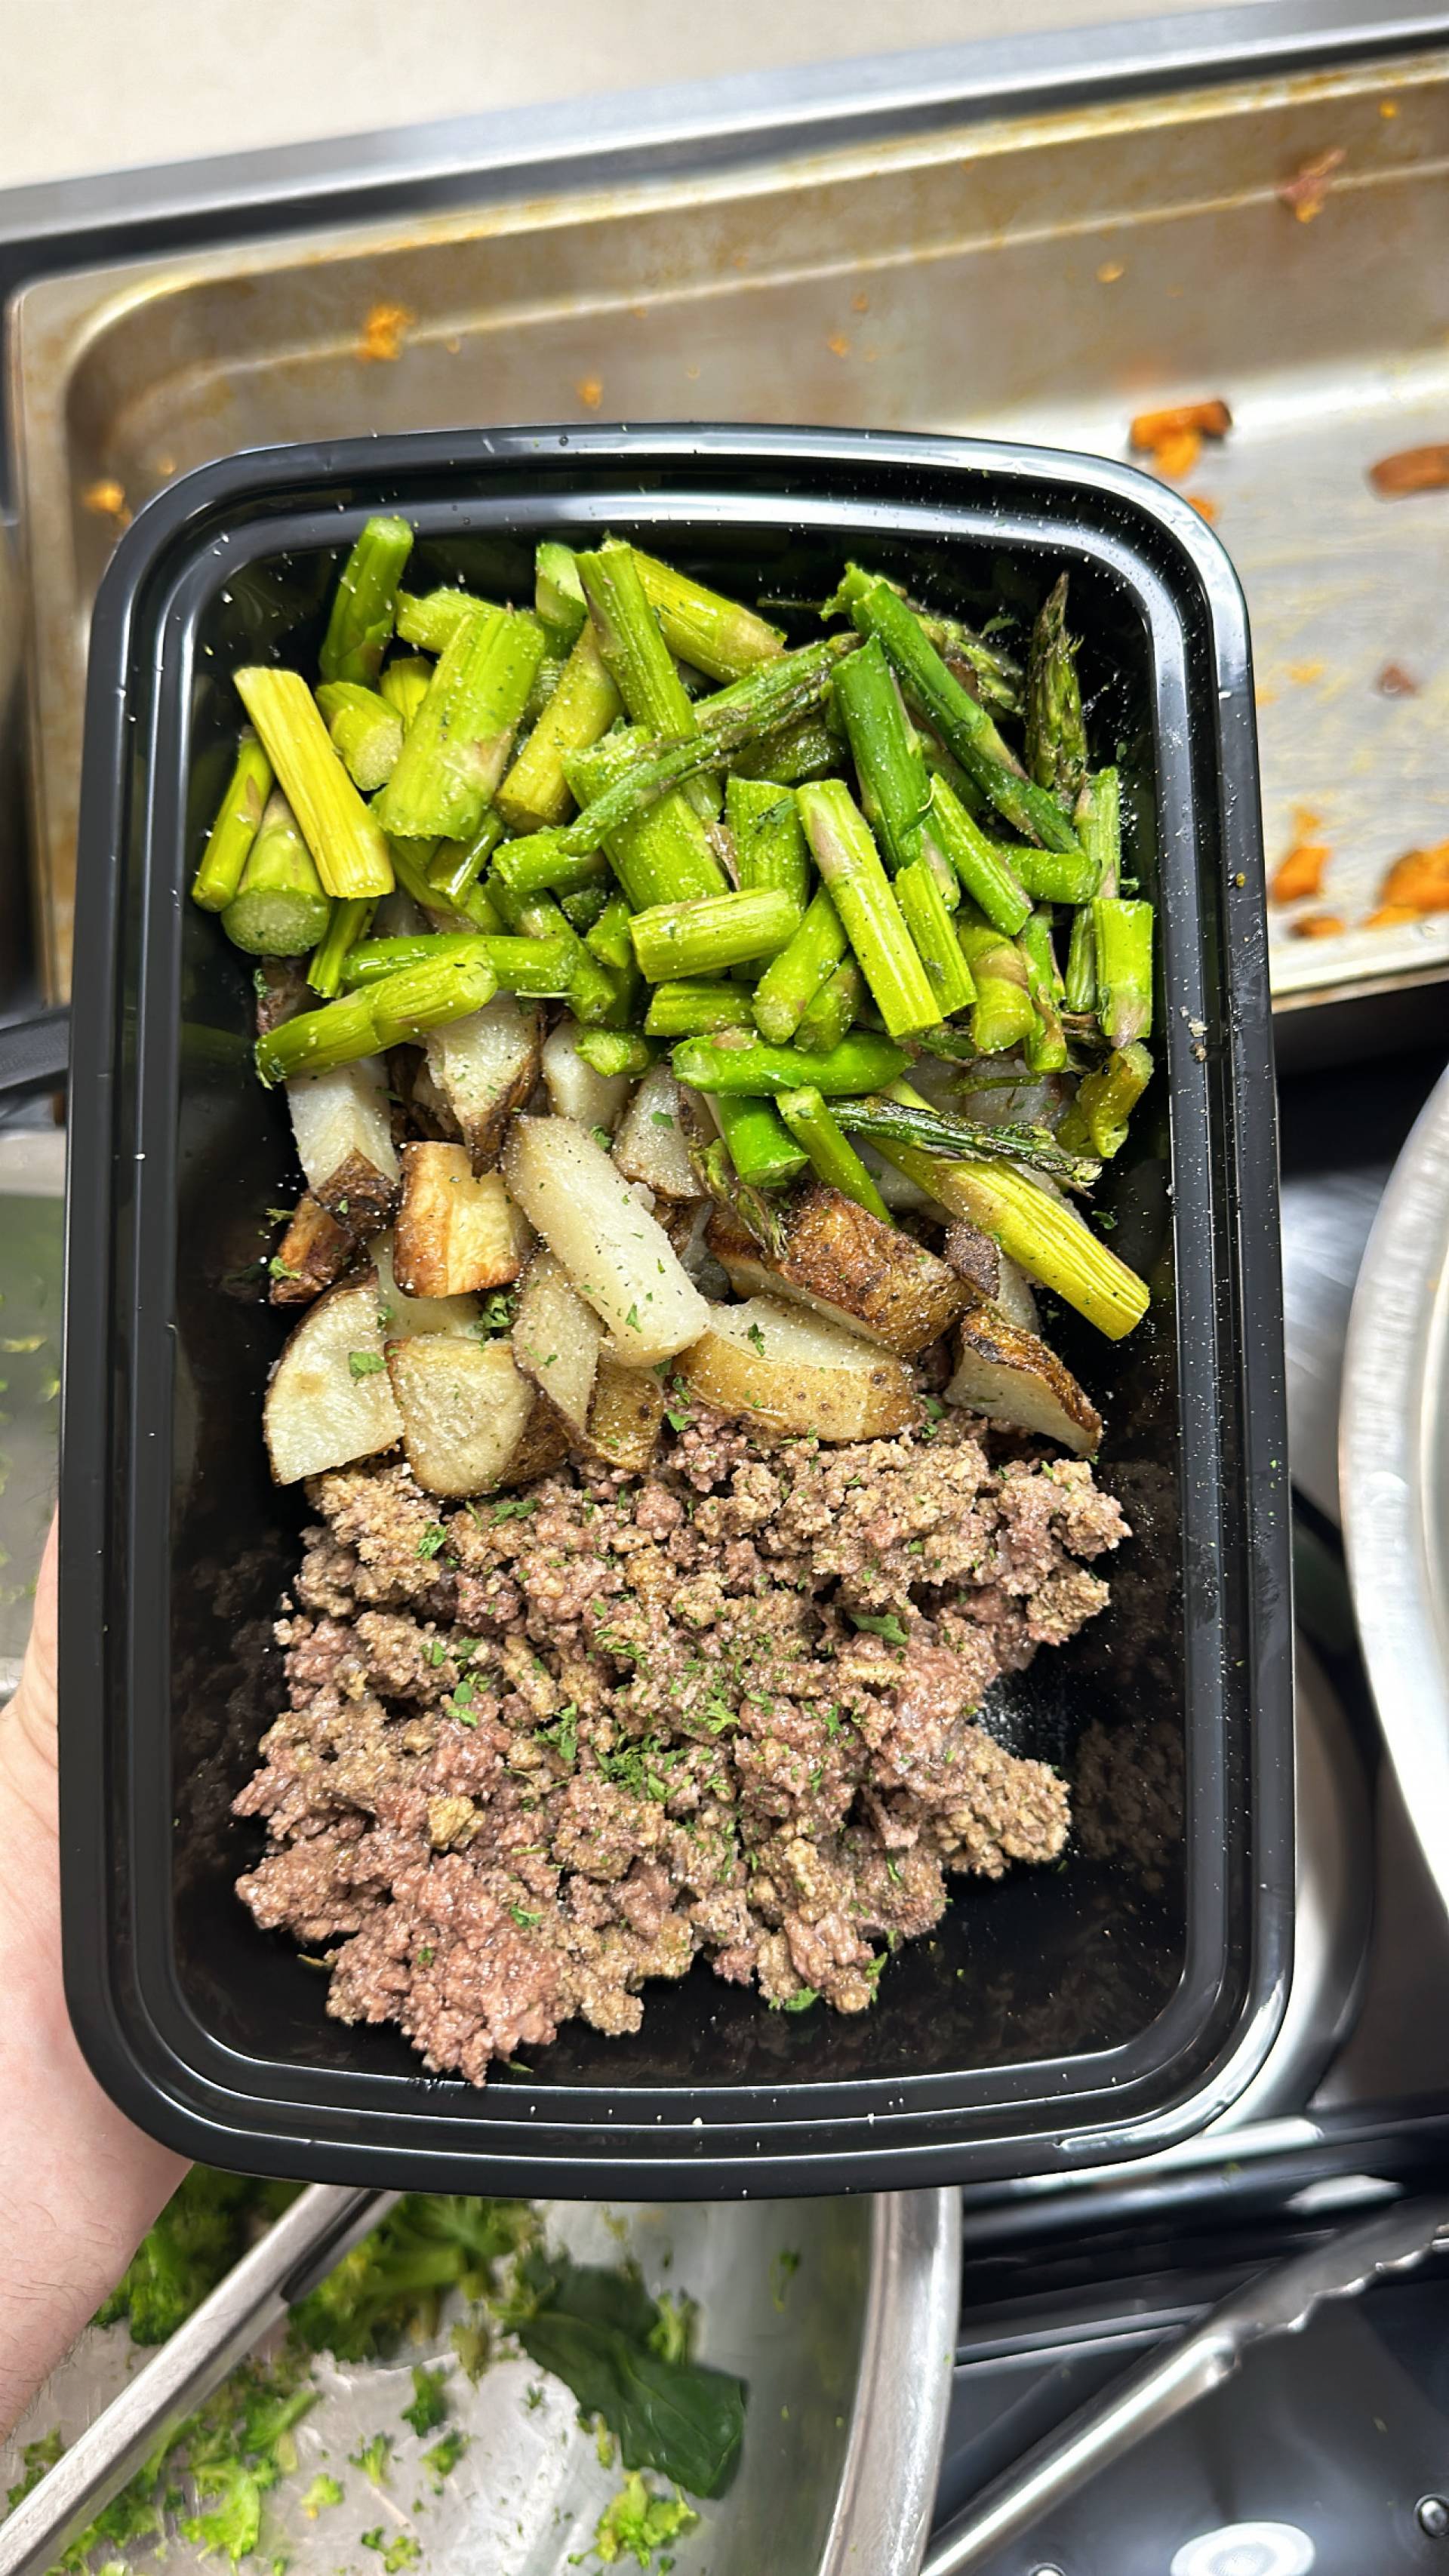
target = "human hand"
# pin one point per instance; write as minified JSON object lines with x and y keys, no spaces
{"x":78,"y":2185}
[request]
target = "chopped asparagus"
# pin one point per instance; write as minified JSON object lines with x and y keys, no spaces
{"x":365,"y":603}
{"x":537,"y":865}
{"x":432,"y":620}
{"x":761,"y":1148}
{"x":456,"y":866}
{"x":834,"y":1011}
{"x":704,"y":628}
{"x":638,"y":659}
{"x":1056,"y":740}
{"x":404,"y":684}
{"x":366,"y":730}
{"x":535,"y":969}
{"x":832,"y":1155}
{"x":1003,"y":1016}
{"x":661,"y":854}
{"x":615,"y":1051}
{"x":791,"y":982}
{"x":902,"y":1117}
{"x":696,"y":1010}
{"x":237,"y":820}
{"x":1046,"y":1044}
{"x":850,"y":864}
{"x":895,"y":785}
{"x":585,"y":703}
{"x":458,"y":743}
{"x":934,"y":934}
{"x":764,"y":824}
{"x":736,"y":1063}
{"x":558,"y":595}
{"x":985,"y":869}
{"x":1123,"y":934}
{"x":327,"y":971}
{"x":344,"y":837}
{"x":706,"y":938}
{"x":279,"y":909}
{"x":1097,"y":1119}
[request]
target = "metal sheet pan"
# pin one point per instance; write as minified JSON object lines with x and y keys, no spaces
{"x":1038,"y":277}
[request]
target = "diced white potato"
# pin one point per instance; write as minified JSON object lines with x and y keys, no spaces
{"x":845,"y":1264}
{"x":556,"y":1341}
{"x":464,"y":1410}
{"x":485,"y":1067}
{"x":650,"y":1144}
{"x":458,"y":1232}
{"x":314,"y":1251}
{"x":329,"y":1399}
{"x":618,"y":1257}
{"x":576,"y":1090}
{"x":344,"y":1140}
{"x":404,"y":1316}
{"x":1016,"y":1296}
{"x":625,"y":1417}
{"x":789,"y":1371}
{"x":1013,"y":1377}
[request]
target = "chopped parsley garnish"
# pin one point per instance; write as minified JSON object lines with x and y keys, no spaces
{"x":424,"y":1957}
{"x":497,"y":1313}
{"x":365,"y":1363}
{"x":888,"y":1626}
{"x":436,"y":1652}
{"x":660,"y":1118}
{"x":757,"y":1337}
{"x":516,"y":1507}
{"x":563,"y":1733}
{"x":433,"y":1539}
{"x":632,"y":1319}
{"x":801,"y":2002}
{"x":525,"y":1921}
{"x":277,"y":1268}
{"x":893,"y":1872}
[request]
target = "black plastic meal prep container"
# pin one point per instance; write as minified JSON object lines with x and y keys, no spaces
{"x":1065,"y":2016}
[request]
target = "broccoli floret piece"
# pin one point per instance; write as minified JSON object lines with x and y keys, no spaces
{"x":35,"y":2459}
{"x":204,"y":2229}
{"x":322,"y":2492}
{"x":393,"y":2284}
{"x":372,"y":2459}
{"x":443,"y":2458}
{"x":401,"y":2551}
{"x":638,"y":2524}
{"x":232,"y":2493}
{"x":430,"y":2401}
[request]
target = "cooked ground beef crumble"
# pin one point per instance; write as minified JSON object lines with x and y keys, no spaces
{"x":545,"y":1746}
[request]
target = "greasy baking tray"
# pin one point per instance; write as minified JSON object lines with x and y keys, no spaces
{"x":1062,"y":2017}
{"x":1040,"y":278}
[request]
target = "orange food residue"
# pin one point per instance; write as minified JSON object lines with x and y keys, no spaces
{"x":860,"y":304}
{"x":590,"y":391}
{"x":1305,"y":192}
{"x":1301,"y":872}
{"x":1319,"y":925}
{"x":384,"y":332}
{"x":1392,"y":916}
{"x":108,"y":500}
{"x":1110,"y":271}
{"x":1173,"y":438}
{"x":1395,"y":682}
{"x":1205,"y":508}
{"x":1419,"y":880}
{"x":1302,"y":674}
{"x":838,"y":345}
{"x":1388,"y":107}
{"x":1411,"y":469}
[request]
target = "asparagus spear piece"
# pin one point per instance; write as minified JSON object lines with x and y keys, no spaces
{"x":365,"y":729}
{"x":934,"y":933}
{"x":834,"y":1010}
{"x":996,"y":673}
{"x":585,"y":908}
{"x":1097,"y":1119}
{"x":832,"y":1155}
{"x":593,"y":989}
{"x":1046,"y":1044}
{"x":673,"y":939}
{"x":458,"y":743}
{"x":733,"y":1062}
{"x":764,"y":824}
{"x":585,"y":703}
{"x":615,"y":1051}
{"x":761,"y":1148}
{"x":279,"y":909}
{"x":537,"y":865}
{"x":535,"y":969}
{"x":895,"y":787}
{"x":404,"y":684}
{"x":558,"y":595}
{"x":637,"y":656}
{"x":850,"y":864}
{"x":608,"y":937}
{"x":456,"y":866}
{"x":1056,"y":876}
{"x":792,"y":980}
{"x":984,"y":868}
{"x":1099,"y":820}
{"x":1003,"y":1015}
{"x":365,"y":603}
{"x":232,"y":834}
{"x":696,"y":1010}
{"x":661,"y":853}
{"x":807,"y":750}
{"x":704,"y":628}
{"x":344,"y":837}
{"x":430,"y":620}
{"x":1123,"y":935}
{"x":1056,"y":740}
{"x":1043,"y":1234}
{"x":327,"y":971}
{"x":1079,"y":993}
{"x":964,"y":726}
{"x":902,"y":1117}
{"x":397,"y":1009}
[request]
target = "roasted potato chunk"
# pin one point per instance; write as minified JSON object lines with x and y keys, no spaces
{"x":791,"y":1372}
{"x":314,"y":1251}
{"x":1012,"y":1376}
{"x":344,"y":1142}
{"x":484,"y":1068}
{"x":458,"y":1232}
{"x":329,"y":1400}
{"x":618,"y":1257}
{"x":465,"y":1411}
{"x":556,"y":1341}
{"x":841,"y":1261}
{"x":625,"y":1417}
{"x":650,"y":1144}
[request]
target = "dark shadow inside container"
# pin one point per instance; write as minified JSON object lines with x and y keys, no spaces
{"x":1050,"y":1964}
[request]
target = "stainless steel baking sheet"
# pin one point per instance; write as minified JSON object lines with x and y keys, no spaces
{"x":1037,"y":278}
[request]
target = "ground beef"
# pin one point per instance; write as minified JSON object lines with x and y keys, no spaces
{"x":540,"y":1749}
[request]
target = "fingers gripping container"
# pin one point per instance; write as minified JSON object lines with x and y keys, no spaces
{"x":1095,"y":2010}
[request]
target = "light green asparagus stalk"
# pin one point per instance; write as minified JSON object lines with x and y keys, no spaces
{"x":432,"y":618}
{"x":638,"y":659}
{"x":997,"y":676}
{"x":1003,"y":1016}
{"x":1055,"y":876}
{"x":535,"y":969}
{"x":850,"y":865}
{"x":662,"y":853}
{"x":558,"y":595}
{"x":707,"y":938}
{"x":342,"y":833}
{"x":459,"y":741}
{"x":1046,"y":1043}
{"x":892,"y":1118}
{"x":764,"y":824}
{"x":1079,"y":989}
{"x":537,"y":865}
{"x":1097,"y":1119}
{"x":761,"y":1148}
{"x":733,"y":1062}
{"x":594,"y":989}
{"x":961,"y":721}
{"x":895,"y":787}
{"x":1123,"y":934}
{"x":609,"y":939}
{"x":834,"y":1011}
{"x":934,"y":934}
{"x":1056,"y":739}
{"x":808,"y":750}
{"x":365,"y":729}
{"x":832,"y":1155}
{"x":456,"y":866}
{"x":704,"y":628}
{"x":536,"y":791}
{"x":1044,"y":1234}
{"x":232,"y":834}
{"x":279,"y":909}
{"x":365,"y":603}
{"x":791,"y":982}
{"x":404,"y":684}
{"x":349,"y":923}
{"x":696,"y":1010}
{"x":615,"y":1051}
{"x":396,"y":1011}
{"x":983,"y":867}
